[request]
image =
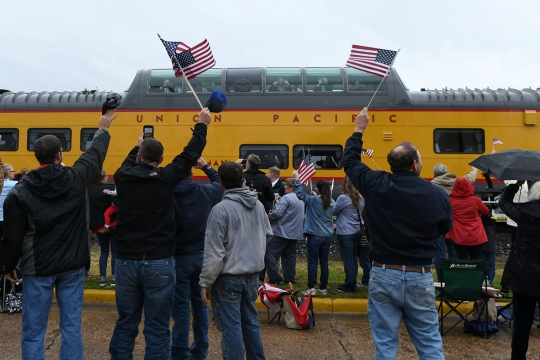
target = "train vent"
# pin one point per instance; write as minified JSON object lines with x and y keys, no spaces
{"x":387,"y":136}
{"x":534,"y":93}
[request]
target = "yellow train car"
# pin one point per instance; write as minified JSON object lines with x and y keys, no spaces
{"x":277,"y":113}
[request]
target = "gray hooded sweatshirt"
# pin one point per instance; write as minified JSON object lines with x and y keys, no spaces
{"x":236,"y":235}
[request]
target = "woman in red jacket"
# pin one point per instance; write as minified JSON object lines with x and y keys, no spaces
{"x":467,"y":232}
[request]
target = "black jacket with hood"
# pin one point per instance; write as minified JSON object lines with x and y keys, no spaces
{"x":47,"y":219}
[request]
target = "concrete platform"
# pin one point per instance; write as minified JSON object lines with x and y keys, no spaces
{"x":336,"y":336}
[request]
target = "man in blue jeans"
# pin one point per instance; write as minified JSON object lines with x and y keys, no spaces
{"x":46,"y":225}
{"x":405,"y":214}
{"x":145,"y":242}
{"x":234,"y":246}
{"x":192,"y":204}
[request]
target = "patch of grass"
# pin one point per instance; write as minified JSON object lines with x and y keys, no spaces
{"x":335,"y":266}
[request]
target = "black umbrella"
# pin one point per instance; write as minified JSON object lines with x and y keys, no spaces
{"x":510,"y":164}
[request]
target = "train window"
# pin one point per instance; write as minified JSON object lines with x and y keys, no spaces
{"x":10,"y":139}
{"x":324,"y":79}
{"x":64,"y":135}
{"x":452,"y":141}
{"x":164,"y":81}
{"x":206,"y":82}
{"x":244,"y":80}
{"x":87,"y":135}
{"x":270,"y":155}
{"x":324,"y":157}
{"x":283,"y":79}
{"x":362,"y":81}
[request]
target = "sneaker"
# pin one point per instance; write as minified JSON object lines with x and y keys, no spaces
{"x":342,"y":288}
{"x":311,"y":291}
{"x":102,"y":282}
{"x":113,"y":282}
{"x":321,"y":292}
{"x":362,"y":285}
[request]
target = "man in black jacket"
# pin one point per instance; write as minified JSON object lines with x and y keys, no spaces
{"x":47,"y":226}
{"x":405,"y":215}
{"x":145,"y":243}
{"x":256,"y":180}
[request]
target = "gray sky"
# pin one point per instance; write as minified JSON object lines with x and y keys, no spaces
{"x":71,"y":45}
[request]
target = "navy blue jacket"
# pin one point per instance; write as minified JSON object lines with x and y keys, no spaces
{"x":192,"y":204}
{"x":404,"y":213}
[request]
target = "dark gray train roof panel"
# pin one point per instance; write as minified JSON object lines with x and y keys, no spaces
{"x":396,"y":96}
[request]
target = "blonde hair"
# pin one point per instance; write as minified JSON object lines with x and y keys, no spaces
{"x":350,"y":191}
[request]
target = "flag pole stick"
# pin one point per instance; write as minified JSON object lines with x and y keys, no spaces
{"x":185,"y":77}
{"x":384,"y":77}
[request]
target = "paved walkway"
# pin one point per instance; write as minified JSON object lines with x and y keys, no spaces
{"x":336,"y":337}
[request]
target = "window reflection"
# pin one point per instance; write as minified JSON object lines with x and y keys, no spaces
{"x":10,"y":140}
{"x":270,"y":155}
{"x":244,"y":80}
{"x":206,"y":82}
{"x":471,"y":141}
{"x":283,"y":79}
{"x":324,"y":157}
{"x":164,"y":81}
{"x":324,"y":79}
{"x":87,"y":135}
{"x":64,"y":135}
{"x":362,"y":81}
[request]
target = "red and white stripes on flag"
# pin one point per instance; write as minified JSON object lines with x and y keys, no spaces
{"x":192,"y":60}
{"x":306,"y":169}
{"x":368,"y":152}
{"x":372,"y":60}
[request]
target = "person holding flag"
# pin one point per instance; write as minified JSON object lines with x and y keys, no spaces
{"x":319,"y":229}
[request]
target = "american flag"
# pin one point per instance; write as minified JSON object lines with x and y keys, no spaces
{"x":497,"y":141}
{"x":193,"y":60}
{"x":306,"y":169}
{"x":368,"y":152}
{"x":372,"y":60}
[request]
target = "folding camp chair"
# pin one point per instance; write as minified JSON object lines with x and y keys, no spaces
{"x":463,"y":281}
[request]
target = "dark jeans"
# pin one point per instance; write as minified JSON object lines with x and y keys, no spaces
{"x":469,"y":252}
{"x":365,"y":262}
{"x":318,"y":249}
{"x":524,"y":307}
{"x":148,"y":285}
{"x":348,"y":248}
{"x":442,"y":245}
{"x":104,"y":241}
{"x":188,"y":269}
{"x":285,"y":249}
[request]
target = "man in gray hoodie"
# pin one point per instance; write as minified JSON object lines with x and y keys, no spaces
{"x":234,"y":247}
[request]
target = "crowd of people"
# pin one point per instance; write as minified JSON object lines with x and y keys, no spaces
{"x":174,"y":242}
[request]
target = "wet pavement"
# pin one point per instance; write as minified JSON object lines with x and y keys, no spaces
{"x":336,"y":337}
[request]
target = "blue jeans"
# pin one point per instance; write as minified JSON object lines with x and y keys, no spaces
{"x":524,"y":307}
{"x":348,"y":248}
{"x":37,"y":295}
{"x":104,"y":241}
{"x":395,"y":295}
{"x":285,"y":249}
{"x":147,"y":285}
{"x":490,"y":260}
{"x":365,"y":262}
{"x":442,"y":244}
{"x":233,"y":306}
{"x":318,"y":249}
{"x":188,"y":269}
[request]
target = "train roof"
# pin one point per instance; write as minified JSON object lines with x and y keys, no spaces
{"x":394,"y":94}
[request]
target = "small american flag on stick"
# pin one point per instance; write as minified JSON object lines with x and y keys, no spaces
{"x":372,"y":60}
{"x":189,"y":61}
{"x":306,"y":169}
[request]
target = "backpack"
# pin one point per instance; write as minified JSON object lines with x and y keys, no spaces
{"x":298,"y":314}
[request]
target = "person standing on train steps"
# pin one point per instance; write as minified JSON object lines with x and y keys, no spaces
{"x":47,"y":225}
{"x":192,"y":204}
{"x":146,"y":243}
{"x":405,"y":214}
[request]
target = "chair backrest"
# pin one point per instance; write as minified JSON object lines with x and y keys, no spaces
{"x":463,"y":279}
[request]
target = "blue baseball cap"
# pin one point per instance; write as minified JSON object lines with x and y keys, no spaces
{"x":217,"y":101}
